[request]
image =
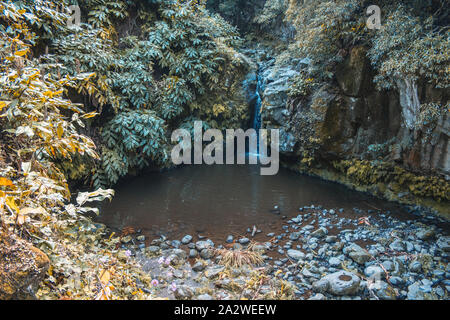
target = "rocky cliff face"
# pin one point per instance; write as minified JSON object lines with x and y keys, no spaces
{"x":350,"y":120}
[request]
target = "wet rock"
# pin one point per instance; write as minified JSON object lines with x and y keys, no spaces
{"x":287,"y":141}
{"x":383,"y":291}
{"x":183,"y":292}
{"x":295,"y":254}
{"x":213,"y":271}
{"x":318,"y":296}
{"x":338,"y":283}
{"x":126,"y":239}
{"x":319,"y":233}
{"x":309,"y":274}
{"x":198,"y":266}
{"x":193,"y":253}
{"x":178,"y":274}
{"x":237,"y":246}
{"x":230,"y":239}
{"x":186,"y":239}
{"x":141,"y":238}
{"x":205,"y":297}
{"x":330,"y":239}
{"x":415,"y":292}
{"x":399,"y":267}
{"x":22,"y":268}
{"x":443,"y":243}
{"x":175,"y":243}
{"x":260,"y":248}
{"x":338,"y":246}
{"x":358,"y":254}
{"x":276,"y":93}
{"x":153,"y":250}
{"x":200,"y":245}
{"x":181,"y":254}
{"x":334,"y":262}
{"x":374,"y":272}
{"x":191,"y":245}
{"x":388,"y":265}
{"x":397,"y":245}
{"x":425,"y":234}
{"x":415,"y":266}
{"x":295,"y":236}
{"x":396,"y":281}
{"x":439,"y":273}
{"x":206,"y":254}
{"x":409,"y":246}
{"x":244,"y":241}
{"x":351,"y":73}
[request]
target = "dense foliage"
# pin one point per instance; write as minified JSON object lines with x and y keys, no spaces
{"x":412,"y":43}
{"x":155,"y":64}
{"x":40,"y":128}
{"x":124,"y":77}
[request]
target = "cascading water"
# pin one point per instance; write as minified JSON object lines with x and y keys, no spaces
{"x":257,"y":104}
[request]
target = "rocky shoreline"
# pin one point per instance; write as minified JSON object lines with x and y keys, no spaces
{"x":320,"y":255}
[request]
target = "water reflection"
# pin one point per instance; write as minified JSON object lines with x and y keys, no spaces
{"x":220,"y":200}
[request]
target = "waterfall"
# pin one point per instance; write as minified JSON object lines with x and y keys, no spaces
{"x":258,"y":104}
{"x":257,"y":108}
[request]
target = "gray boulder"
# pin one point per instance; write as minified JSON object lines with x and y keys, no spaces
{"x":295,"y":254}
{"x":341,"y":283}
{"x":200,"y":245}
{"x":186,"y":239}
{"x":319,"y":233}
{"x":397,"y":245}
{"x":358,"y":254}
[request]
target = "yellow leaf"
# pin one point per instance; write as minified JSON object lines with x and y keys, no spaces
{"x":5,"y":182}
{"x":89,"y":115}
{"x":60,"y":131}
{"x":11,"y":202}
{"x":21,"y":53}
{"x":2,"y":105}
{"x":105,"y":277}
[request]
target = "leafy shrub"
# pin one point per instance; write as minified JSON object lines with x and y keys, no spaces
{"x":179,"y":63}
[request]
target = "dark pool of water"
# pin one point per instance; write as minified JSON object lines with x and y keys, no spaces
{"x":219,"y":200}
